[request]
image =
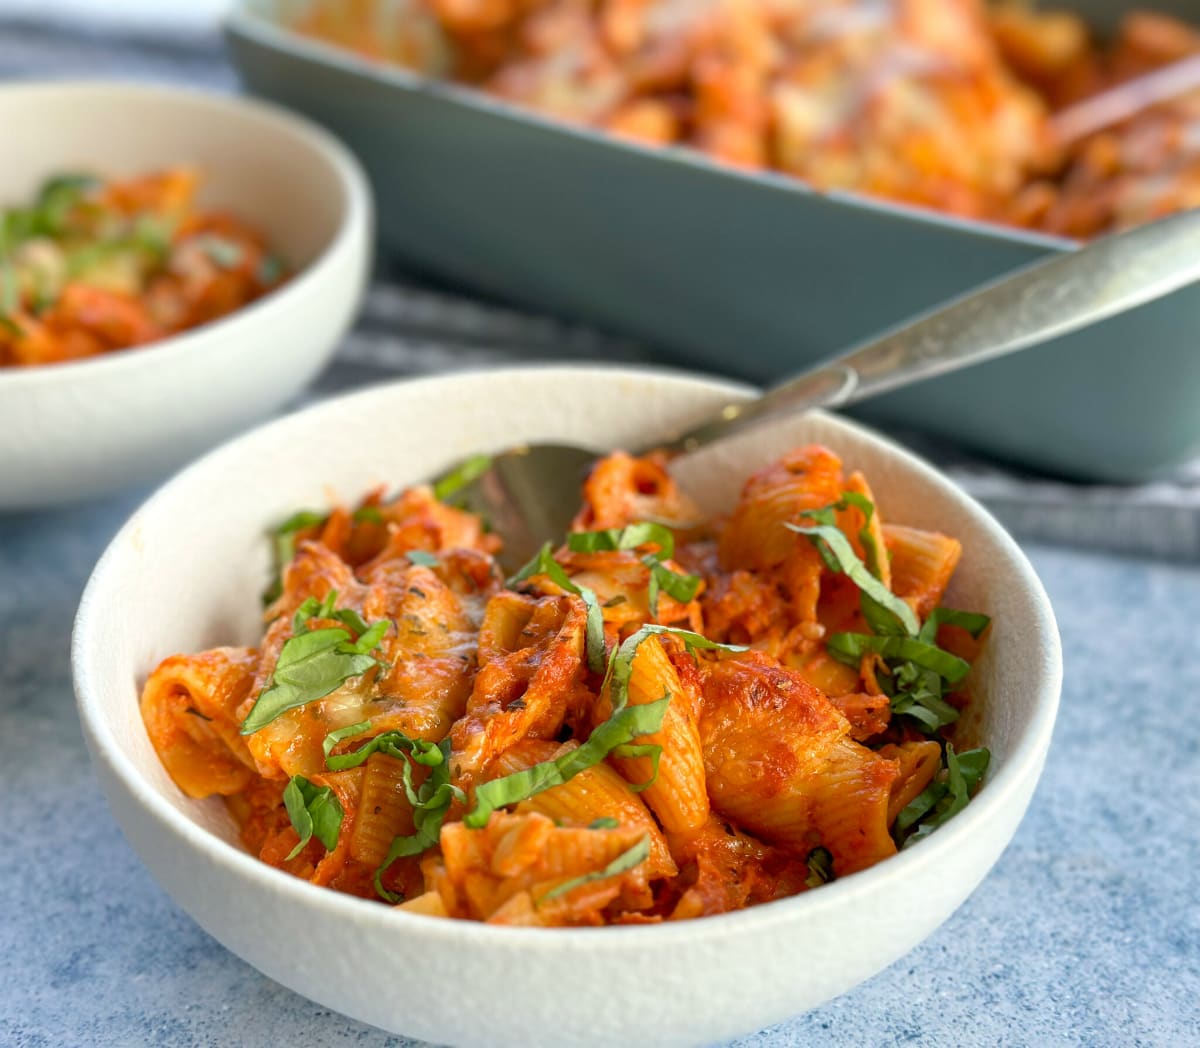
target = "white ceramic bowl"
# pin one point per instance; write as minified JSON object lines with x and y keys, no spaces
{"x":467,"y":983}
{"x":75,"y":430}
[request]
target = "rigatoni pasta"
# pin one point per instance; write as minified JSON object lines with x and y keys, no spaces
{"x":664,"y":718}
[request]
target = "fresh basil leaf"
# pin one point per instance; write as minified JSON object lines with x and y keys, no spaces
{"x":348,"y":732}
{"x":74,"y":183}
{"x":850,"y":648}
{"x":430,"y":802}
{"x":676,"y":584}
{"x":422,"y":559}
{"x":314,"y":811}
{"x":839,"y":555}
{"x":311,"y":665}
{"x":918,"y":694}
{"x":605,"y":822}
{"x":545,"y":564}
{"x":631,"y":536}
{"x":457,"y":479}
{"x":367,"y":514}
{"x":152,"y":235}
{"x":820,"y":867}
{"x":393,"y":743}
{"x":827,"y":517}
{"x":651,"y":750}
{"x":681,"y":587}
{"x":945,"y":797}
{"x":283,"y":547}
{"x":622,"y":727}
{"x":620,"y":663}
{"x":627,"y":860}
{"x":973,"y":622}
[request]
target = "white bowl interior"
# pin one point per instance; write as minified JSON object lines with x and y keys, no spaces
{"x":185,"y":573}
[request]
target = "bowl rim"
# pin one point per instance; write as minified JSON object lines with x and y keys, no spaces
{"x":1000,"y":790}
{"x":241,"y":19}
{"x":354,"y":221}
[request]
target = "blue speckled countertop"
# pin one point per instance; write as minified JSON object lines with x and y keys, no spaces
{"x":1086,"y":933}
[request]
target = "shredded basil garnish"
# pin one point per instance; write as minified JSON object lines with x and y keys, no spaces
{"x":651,"y":750}
{"x":605,"y":822}
{"x":367,"y":514}
{"x":884,"y":611}
{"x":314,"y":811}
{"x":430,"y":801}
{"x":943,"y":798}
{"x":625,"y":724}
{"x":545,"y":564}
{"x":453,"y":482}
{"x":422,"y":559}
{"x":679,"y":586}
{"x":283,"y":547}
{"x":622,"y":727}
{"x":627,"y":860}
{"x":313,"y":663}
{"x":851,"y":647}
{"x":916,"y":670}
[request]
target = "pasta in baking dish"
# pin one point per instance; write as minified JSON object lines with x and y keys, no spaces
{"x":664,"y":718}
{"x":944,"y":104}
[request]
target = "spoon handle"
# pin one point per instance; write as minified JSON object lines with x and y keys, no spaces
{"x":1037,"y":303}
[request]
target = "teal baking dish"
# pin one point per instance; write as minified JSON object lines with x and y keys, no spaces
{"x":748,"y":274}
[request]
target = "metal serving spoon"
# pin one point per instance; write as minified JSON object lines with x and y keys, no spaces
{"x":529,"y":494}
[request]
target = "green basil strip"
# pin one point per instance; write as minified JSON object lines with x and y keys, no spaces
{"x":471,"y":470}
{"x":621,"y":728}
{"x":820,"y":867}
{"x":827,"y":516}
{"x":945,"y":797}
{"x":314,"y":663}
{"x":283,"y":547}
{"x":651,"y":750}
{"x":393,"y":743}
{"x":430,"y":802}
{"x":850,"y":648}
{"x":839,"y":555}
{"x":367,"y":515}
{"x":680,"y":586}
{"x":629,"y":537}
{"x":973,"y":622}
{"x":620,"y":663}
{"x":422,"y":558}
{"x":545,"y":564}
{"x":349,"y":731}
{"x":627,"y":860}
{"x":314,"y":811}
{"x":605,"y":822}
{"x":919,"y":695}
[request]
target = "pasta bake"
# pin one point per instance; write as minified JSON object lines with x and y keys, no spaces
{"x":665,"y":717}
{"x":90,"y":266}
{"x":946,"y":104}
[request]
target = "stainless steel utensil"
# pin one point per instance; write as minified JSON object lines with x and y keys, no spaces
{"x":529,"y":494}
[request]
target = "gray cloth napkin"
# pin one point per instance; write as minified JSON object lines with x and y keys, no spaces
{"x":408,"y":327}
